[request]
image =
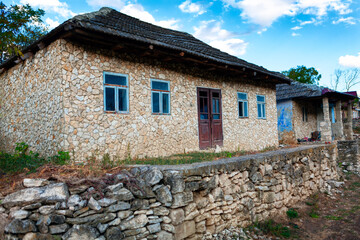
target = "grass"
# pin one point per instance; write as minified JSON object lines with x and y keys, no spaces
{"x":330,"y":217}
{"x":192,"y":157}
{"x":271,"y":227}
{"x":292,"y":213}
{"x":25,"y":160}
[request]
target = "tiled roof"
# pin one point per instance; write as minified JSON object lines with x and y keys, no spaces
{"x":110,"y":21}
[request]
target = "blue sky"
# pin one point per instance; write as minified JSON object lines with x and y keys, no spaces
{"x":275,"y":34}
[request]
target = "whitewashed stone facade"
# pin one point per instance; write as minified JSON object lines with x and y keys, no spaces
{"x":54,"y":101}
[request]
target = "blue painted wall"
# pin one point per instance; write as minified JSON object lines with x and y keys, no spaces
{"x":285,"y":115}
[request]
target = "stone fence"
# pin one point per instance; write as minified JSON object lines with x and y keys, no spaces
{"x":349,"y":154}
{"x":170,"y":202}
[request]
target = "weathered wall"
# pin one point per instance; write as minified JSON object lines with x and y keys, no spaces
{"x":174,"y":202}
{"x":285,"y":122}
{"x":141,"y":133}
{"x":31,"y":108}
{"x":302,"y":128}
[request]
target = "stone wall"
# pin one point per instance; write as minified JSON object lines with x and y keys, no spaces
{"x":304,"y":128}
{"x":171,"y":202}
{"x":54,"y":101}
{"x":31,"y":108}
{"x":349,"y":154}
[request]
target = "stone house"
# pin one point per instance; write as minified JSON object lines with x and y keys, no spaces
{"x":104,"y":82}
{"x":304,"y":108}
{"x":355,"y":107}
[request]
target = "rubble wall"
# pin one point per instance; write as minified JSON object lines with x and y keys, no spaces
{"x":171,"y":202}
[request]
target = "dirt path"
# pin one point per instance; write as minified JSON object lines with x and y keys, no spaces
{"x":329,"y":218}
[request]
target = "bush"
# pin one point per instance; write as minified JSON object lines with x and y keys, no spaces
{"x":22,"y":159}
{"x":292,"y":213}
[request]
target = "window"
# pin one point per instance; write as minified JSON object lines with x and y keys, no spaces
{"x":305,"y":114}
{"x":261,"y":106}
{"x":242,"y":104}
{"x":160,"y":97}
{"x":116,"y":93}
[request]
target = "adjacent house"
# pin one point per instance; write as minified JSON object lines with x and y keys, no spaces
{"x":355,"y":107}
{"x":310,"y":111}
{"x":104,"y":82}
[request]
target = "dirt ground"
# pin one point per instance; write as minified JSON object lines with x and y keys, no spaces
{"x":327,"y":217}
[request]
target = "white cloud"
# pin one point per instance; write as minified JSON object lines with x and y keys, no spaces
{"x":264,"y":13}
{"x":295,"y":34}
{"x":138,"y":11}
{"x":313,"y":20}
{"x":348,"y":20}
{"x":107,"y":3}
{"x":212,"y":33}
{"x":296,"y":28}
{"x":51,"y":6}
{"x":52,"y":24}
{"x":189,"y":7}
{"x":350,"y":61}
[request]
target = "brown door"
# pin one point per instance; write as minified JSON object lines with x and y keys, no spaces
{"x":210,"y":118}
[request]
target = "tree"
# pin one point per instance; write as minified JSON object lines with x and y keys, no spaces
{"x":304,"y":75}
{"x":349,"y":78}
{"x":20,"y":25}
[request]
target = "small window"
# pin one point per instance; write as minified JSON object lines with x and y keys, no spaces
{"x":116,"y":93}
{"x":261,"y":106}
{"x":243,"y":104}
{"x":305,"y":114}
{"x":160,"y":96}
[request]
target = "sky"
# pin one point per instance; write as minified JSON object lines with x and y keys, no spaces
{"x":275,"y":34}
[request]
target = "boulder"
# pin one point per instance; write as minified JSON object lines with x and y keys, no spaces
{"x":163,"y":195}
{"x":37,"y":182}
{"x":18,"y":226}
{"x":56,"y":192}
{"x":152,"y":176}
{"x":93,"y":204}
{"x":175,"y":181}
{"x":81,"y":232}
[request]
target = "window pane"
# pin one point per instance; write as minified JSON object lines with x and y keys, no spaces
{"x":259,"y":110}
{"x":115,"y":79}
{"x":203,"y":105}
{"x":242,"y":96}
{"x":160,"y":85}
{"x":203,"y":116}
{"x":246,"y":109}
{"x":122,"y":100}
{"x":109,"y":99}
{"x":216,"y":116}
{"x":166,"y":102}
{"x":203,"y":94}
{"x":156,"y":102}
{"x":215,"y":106}
{"x":216,"y":95}
{"x":263,"y":110}
{"x":241,"y":109}
{"x":260,"y":98}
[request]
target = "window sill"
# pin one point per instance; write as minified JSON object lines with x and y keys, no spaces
{"x":120,"y":113}
{"x":261,"y":118}
{"x":161,"y":114}
{"x":243,"y":117}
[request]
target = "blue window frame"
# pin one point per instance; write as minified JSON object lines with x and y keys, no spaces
{"x":116,"y":93}
{"x":243,"y":104}
{"x":261,"y":106}
{"x":160,"y":97}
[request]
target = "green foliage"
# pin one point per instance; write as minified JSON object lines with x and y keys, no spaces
{"x":22,"y":159}
{"x":303,"y":74}
{"x":20,"y":25}
{"x":270,"y":227}
{"x":314,"y":214}
{"x":292,"y":213}
{"x":330,"y":217}
{"x":106,"y":162}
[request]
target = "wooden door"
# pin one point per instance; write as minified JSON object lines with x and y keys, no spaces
{"x":210,"y":118}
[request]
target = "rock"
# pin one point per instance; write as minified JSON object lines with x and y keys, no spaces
{"x":35,"y":217}
{"x":141,"y":190}
{"x":175,"y":181}
{"x":115,"y":222}
{"x":115,"y":187}
{"x":92,"y":219}
{"x":38,"y":236}
{"x":177,"y":216}
{"x":78,"y":189}
{"x":171,"y":228}
{"x":2,"y":209}
{"x":152,"y":176}
{"x":154,"y":228}
{"x":37,"y":182}
{"x":185,"y":230}
{"x":165,"y":236}
{"x":114,"y":233}
{"x":81,"y":232}
{"x":56,"y":192}
{"x":105,"y":202}
{"x":21,"y":214}
{"x":18,"y":226}
{"x":139,"y":204}
{"x":124,"y":214}
{"x":119,"y":207}
{"x":32,"y":206}
{"x":161,"y":211}
{"x":46,"y":210}
{"x":81,"y":211}
{"x":93,"y":204}
{"x":75,"y":201}
{"x":163,"y":195}
{"x":182,"y":199}
{"x":57,"y":229}
{"x":67,"y":213}
{"x":123,"y":195}
{"x":56,"y":219}
{"x":102,"y":227}
{"x":137,"y":222}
